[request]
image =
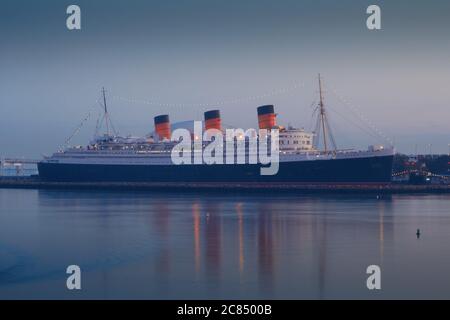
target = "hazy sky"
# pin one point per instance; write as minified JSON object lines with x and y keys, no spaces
{"x":203,"y":51}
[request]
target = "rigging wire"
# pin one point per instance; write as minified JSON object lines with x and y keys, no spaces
{"x":106,"y":116}
{"x":331,"y":136}
{"x":364,"y":129}
{"x":313,"y":115}
{"x":356,"y":111}
{"x":84,"y":120}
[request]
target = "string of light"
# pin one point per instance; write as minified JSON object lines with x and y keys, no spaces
{"x":77,"y":129}
{"x":238,"y":100}
{"x":362,"y":117}
{"x":405,"y":172}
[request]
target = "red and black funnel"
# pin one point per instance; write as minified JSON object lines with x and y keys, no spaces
{"x":162,"y":126}
{"x":212,"y":120}
{"x":266,"y":117}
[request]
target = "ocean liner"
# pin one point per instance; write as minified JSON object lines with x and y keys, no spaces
{"x":113,"y":158}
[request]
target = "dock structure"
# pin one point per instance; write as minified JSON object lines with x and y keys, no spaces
{"x":17,"y":163}
{"x":12,"y":161}
{"x":34,"y":182}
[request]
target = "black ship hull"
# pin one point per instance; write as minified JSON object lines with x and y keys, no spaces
{"x":368,"y":170}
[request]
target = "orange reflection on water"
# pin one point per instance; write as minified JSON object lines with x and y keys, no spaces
{"x":196,"y":216}
{"x":241,"y":237}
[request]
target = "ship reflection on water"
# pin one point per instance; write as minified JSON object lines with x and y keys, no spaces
{"x":159,"y":245}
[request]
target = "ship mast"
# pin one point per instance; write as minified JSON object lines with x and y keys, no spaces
{"x":106,"y":110}
{"x":322,"y":122}
{"x":322,"y":115}
{"x":106,"y":119}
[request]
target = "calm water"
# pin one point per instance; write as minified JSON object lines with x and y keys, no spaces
{"x":156,"y":245}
